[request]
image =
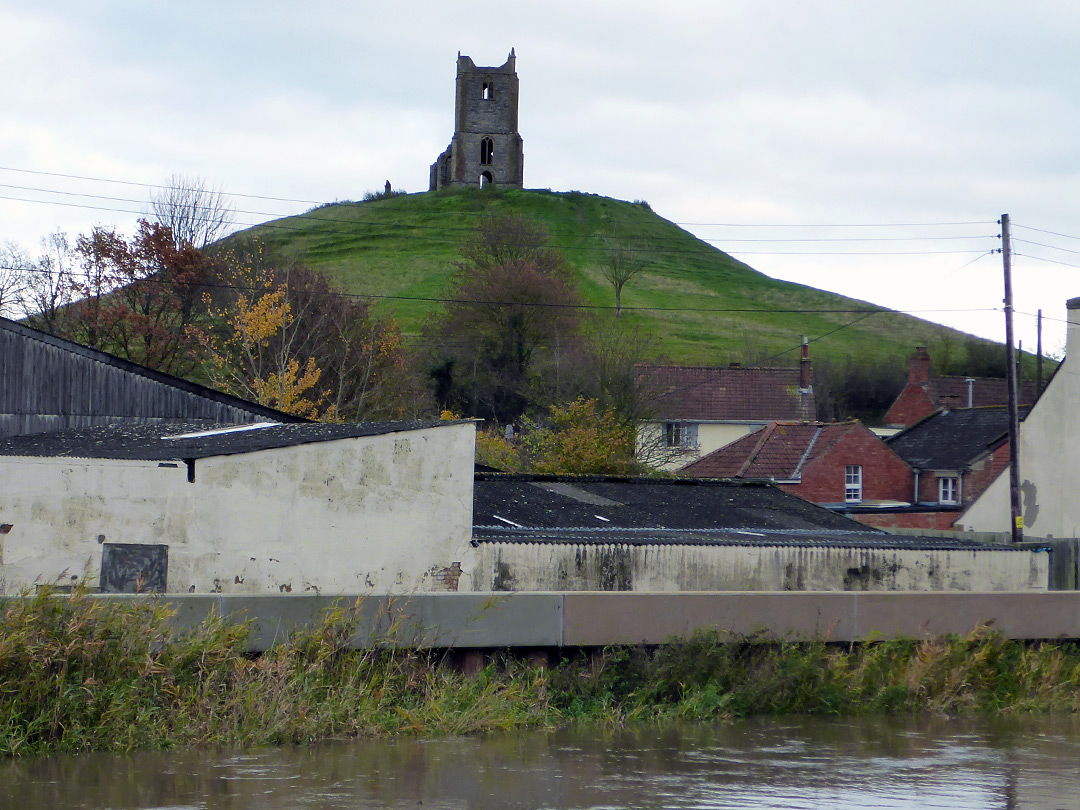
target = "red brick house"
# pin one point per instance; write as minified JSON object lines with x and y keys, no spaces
{"x":702,"y":408}
{"x":842,"y":465}
{"x":953,"y":455}
{"x":926,"y":393}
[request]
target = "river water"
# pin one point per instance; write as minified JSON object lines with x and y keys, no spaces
{"x":1027,"y":762}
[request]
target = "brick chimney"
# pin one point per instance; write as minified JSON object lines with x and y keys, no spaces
{"x":1072,"y":331}
{"x":919,"y":366}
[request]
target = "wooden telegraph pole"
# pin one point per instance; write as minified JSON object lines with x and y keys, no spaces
{"x":1010,"y":371}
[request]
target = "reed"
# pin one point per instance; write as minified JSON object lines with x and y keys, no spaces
{"x":78,"y":674}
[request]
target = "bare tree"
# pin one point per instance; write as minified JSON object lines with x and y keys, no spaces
{"x":196,"y":213}
{"x":15,"y":269}
{"x":51,"y":283}
{"x":621,"y":264}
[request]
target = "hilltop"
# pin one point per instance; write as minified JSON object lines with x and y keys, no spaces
{"x":400,"y":250}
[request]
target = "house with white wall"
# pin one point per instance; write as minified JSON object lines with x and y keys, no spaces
{"x":1049,"y":456}
{"x":700,"y":409}
{"x":258,"y":508}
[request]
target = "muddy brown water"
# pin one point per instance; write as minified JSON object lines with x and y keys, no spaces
{"x":1027,"y":762}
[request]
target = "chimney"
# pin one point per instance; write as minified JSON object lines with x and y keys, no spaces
{"x":919,"y":366}
{"x":1072,"y":331}
{"x":804,"y":367}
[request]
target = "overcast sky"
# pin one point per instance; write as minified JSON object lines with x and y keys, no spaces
{"x":738,"y":120}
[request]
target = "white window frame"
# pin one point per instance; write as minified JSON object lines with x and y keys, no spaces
{"x":853,"y":483}
{"x":949,"y":489}
{"x":683,"y":435}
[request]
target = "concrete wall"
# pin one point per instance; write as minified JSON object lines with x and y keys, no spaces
{"x":385,"y":512}
{"x":679,"y":568}
{"x":598,"y":619}
{"x":1049,"y":457}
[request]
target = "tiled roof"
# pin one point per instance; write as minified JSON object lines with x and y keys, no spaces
{"x":171,"y":441}
{"x":777,"y":451}
{"x":950,"y":440}
{"x":720,"y":393}
{"x":952,"y":392}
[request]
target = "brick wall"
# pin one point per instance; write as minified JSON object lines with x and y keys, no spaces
{"x":446,"y":579}
{"x":885,"y":476}
{"x":975,"y":480}
{"x":909,"y":520}
{"x":913,"y":404}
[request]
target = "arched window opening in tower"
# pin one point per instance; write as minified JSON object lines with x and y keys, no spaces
{"x":489,"y":91}
{"x":487,"y":151}
{"x":486,"y":180}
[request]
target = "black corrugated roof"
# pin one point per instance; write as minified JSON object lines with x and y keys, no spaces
{"x":152,"y":441}
{"x":537,"y":502}
{"x":603,"y":510}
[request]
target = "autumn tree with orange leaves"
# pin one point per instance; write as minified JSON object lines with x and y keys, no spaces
{"x":286,"y":337}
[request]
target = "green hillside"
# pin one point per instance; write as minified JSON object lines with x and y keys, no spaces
{"x":401,"y":249}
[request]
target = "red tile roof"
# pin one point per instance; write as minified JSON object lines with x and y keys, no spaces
{"x":701,"y":393}
{"x":952,"y":392}
{"x":778,"y":451}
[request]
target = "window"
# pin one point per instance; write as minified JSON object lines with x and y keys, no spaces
{"x":489,"y":91}
{"x":948,"y":488}
{"x":680,"y":434}
{"x":487,"y":151}
{"x":852,"y":483}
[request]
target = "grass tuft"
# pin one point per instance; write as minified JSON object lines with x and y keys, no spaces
{"x":78,"y":674}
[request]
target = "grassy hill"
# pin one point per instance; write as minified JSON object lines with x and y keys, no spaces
{"x":401,"y":251}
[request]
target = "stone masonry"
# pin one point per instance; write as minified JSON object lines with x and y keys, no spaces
{"x":486,"y":147}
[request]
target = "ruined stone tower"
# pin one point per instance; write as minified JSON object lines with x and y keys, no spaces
{"x":486,"y":147}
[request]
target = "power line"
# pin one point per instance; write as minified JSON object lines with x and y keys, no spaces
{"x":831,"y":224}
{"x":488,"y":302}
{"x":1043,"y":259}
{"x":345,"y":227}
{"x":153,"y":185}
{"x":312,"y":217}
{"x":1052,"y":247}
{"x":458,"y":214}
{"x":1052,"y":233}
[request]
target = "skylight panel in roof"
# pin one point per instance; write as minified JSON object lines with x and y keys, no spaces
{"x":221,"y":431}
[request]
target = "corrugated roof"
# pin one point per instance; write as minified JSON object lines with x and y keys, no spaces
{"x":50,"y":383}
{"x":730,"y":537}
{"x":170,"y":441}
{"x":609,"y":503}
{"x":727,"y":393}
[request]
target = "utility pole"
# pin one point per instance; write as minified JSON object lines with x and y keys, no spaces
{"x":1010,"y":370}
{"x":1038,"y":358}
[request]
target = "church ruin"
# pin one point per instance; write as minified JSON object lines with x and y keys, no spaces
{"x":486,"y":147}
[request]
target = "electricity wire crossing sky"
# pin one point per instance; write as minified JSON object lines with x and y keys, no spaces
{"x":862,"y":148}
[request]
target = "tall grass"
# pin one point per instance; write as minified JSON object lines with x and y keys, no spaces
{"x":78,"y":674}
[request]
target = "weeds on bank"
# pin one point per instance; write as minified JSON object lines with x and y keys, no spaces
{"x":79,"y":674}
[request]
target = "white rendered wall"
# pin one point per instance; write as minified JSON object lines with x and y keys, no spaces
{"x":371,"y":513}
{"x":682,"y":568}
{"x":711,"y":436}
{"x":1049,"y":459}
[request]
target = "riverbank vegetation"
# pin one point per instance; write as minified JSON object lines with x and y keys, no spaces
{"x":80,"y":674}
